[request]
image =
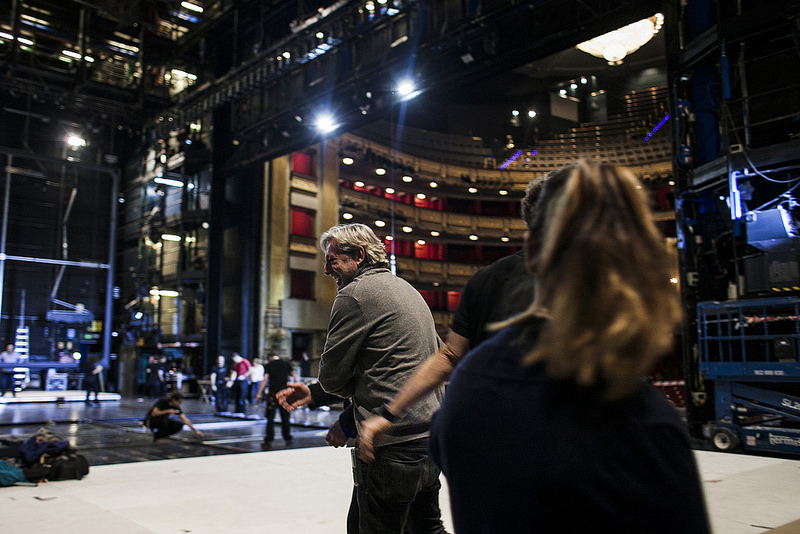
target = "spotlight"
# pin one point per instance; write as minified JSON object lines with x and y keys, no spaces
{"x":347,"y":160}
{"x":405,"y":87}
{"x":76,"y":141}
{"x":325,"y":123}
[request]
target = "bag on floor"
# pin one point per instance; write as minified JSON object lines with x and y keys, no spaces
{"x":68,"y":466}
{"x":10,"y":474}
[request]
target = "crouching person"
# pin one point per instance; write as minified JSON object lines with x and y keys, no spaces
{"x":159,"y":418}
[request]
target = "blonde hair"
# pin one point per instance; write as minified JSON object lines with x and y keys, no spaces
{"x":351,"y":237}
{"x":603,"y":280}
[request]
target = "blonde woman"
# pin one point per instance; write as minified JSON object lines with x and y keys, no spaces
{"x":548,"y":426}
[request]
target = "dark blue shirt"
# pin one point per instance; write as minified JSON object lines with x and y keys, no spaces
{"x":525,"y":453}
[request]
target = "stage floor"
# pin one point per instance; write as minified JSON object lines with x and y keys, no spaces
{"x":226,"y":483}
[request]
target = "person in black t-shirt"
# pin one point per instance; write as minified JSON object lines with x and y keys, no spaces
{"x":276,"y":373}
{"x":159,"y":421}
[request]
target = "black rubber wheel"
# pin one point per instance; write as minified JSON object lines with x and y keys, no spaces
{"x":725,"y":440}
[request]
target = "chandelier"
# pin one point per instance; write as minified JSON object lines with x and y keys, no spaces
{"x":616,"y":45}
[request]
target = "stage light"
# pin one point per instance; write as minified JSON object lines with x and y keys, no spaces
{"x":76,"y":141}
{"x":380,"y":224}
{"x":347,"y":160}
{"x":407,"y":90}
{"x":325,"y":123}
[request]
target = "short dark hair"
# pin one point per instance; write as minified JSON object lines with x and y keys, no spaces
{"x":176,"y":395}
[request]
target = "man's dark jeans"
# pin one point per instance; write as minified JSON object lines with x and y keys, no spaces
{"x":399,"y":492}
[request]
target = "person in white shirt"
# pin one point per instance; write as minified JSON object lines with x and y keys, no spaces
{"x":7,"y":376}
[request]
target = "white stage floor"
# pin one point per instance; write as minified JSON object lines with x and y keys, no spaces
{"x":308,"y":491}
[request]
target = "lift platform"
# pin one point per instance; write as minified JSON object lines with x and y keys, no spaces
{"x":748,"y":355}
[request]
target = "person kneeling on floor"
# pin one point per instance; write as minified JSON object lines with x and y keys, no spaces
{"x":159,"y":421}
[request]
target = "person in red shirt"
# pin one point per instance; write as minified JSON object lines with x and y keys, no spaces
{"x":241,"y":383}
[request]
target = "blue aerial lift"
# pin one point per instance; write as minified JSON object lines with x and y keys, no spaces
{"x":748,"y":354}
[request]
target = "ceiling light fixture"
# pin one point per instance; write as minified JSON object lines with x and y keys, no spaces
{"x":616,"y":45}
{"x":192,"y":7}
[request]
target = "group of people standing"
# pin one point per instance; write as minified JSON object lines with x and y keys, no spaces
{"x":244,"y":383}
{"x":548,"y":424}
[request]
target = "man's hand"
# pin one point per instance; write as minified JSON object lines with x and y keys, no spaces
{"x":336,"y":436}
{"x":296,"y":395}
{"x":197,"y":433}
{"x":372,"y":430}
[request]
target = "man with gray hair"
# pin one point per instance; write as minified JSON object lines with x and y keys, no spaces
{"x":380,"y":331}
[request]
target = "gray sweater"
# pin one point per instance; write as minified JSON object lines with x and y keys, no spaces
{"x":380,"y":330}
